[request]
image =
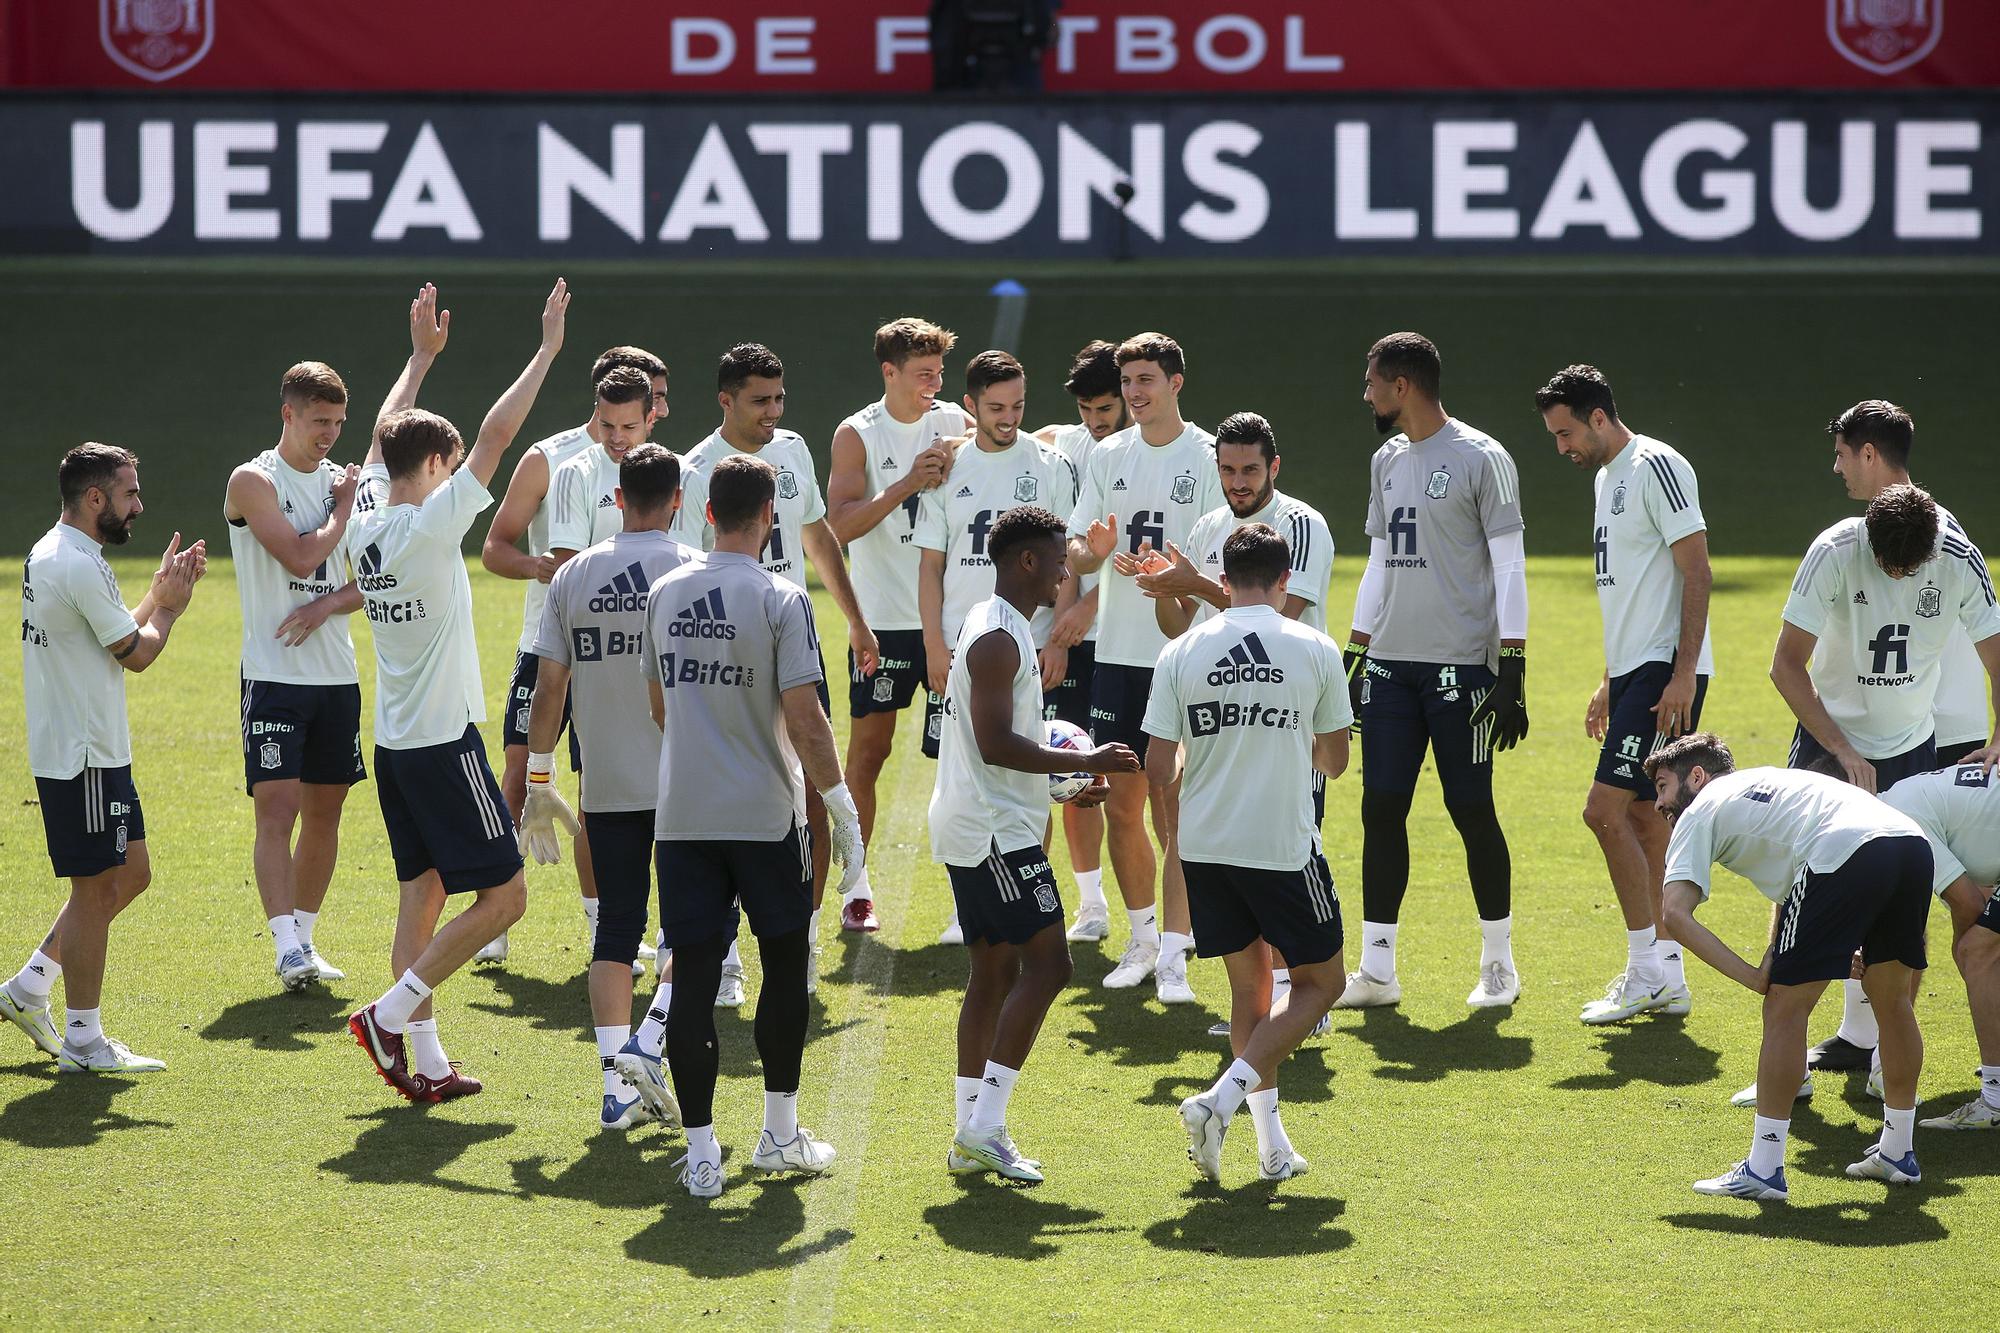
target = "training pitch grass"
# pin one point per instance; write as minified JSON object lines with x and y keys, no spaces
{"x":1505,"y":1166}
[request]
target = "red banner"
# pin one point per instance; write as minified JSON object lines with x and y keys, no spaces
{"x":704,"y":47}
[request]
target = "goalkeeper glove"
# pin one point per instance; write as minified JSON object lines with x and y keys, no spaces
{"x":544,"y":809}
{"x":1355,"y":658}
{"x":1503,"y":709}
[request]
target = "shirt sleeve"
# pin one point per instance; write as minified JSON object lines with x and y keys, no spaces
{"x":1816,"y":588}
{"x":1062,"y":502}
{"x":797,"y":640}
{"x":1499,"y":493}
{"x":96,"y":597}
{"x":691,"y":523}
{"x":1333,"y":712}
{"x":1672,"y":504}
{"x":1691,"y":849}
{"x":551,"y":634}
{"x":1163,"y":707}
{"x":1208,"y":486}
{"x":649,"y":656}
{"x":569,"y":509}
{"x":1312,"y":556}
{"x":815,"y":509}
{"x":929,"y":532}
{"x":448,"y":511}
{"x":1976,"y":609}
{"x":1089,"y":506}
{"x":1375,"y":525}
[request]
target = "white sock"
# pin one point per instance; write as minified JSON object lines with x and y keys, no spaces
{"x":1875,"y":1061}
{"x":611,"y":1039}
{"x":1496,"y":942}
{"x":84,"y":1029}
{"x":35,"y":980}
{"x":1145,"y":924}
{"x":1090,"y":890}
{"x":1378,"y":950}
{"x":1642,"y":957}
{"x":1174,"y":946}
{"x":284,"y":934}
{"x":1234,"y":1085}
{"x":1281,"y":981}
{"x":1767,"y":1145}
{"x":812,"y":930}
{"x":965,"y":1096}
{"x":702,"y":1146}
{"x":393,"y":1010}
{"x":990,"y":1111}
{"x":734,"y":958}
{"x":660,"y":939}
{"x":1271,"y":1137}
{"x":1989,"y":1085}
{"x":590,"y":918}
{"x":1673,"y":967}
{"x":426,"y":1051}
{"x":861,"y":889}
{"x":1857,"y":1016}
{"x":653,"y":1028}
{"x":303,"y":922}
{"x":1897,"y":1129}
{"x":781,"y":1115}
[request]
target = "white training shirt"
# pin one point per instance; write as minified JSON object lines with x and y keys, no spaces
{"x":555,"y":451}
{"x":956,"y":517}
{"x":1876,"y":666}
{"x":1771,"y":825}
{"x":882,"y":561}
{"x":974,"y":804}
{"x":72,"y":689}
{"x":1076,"y":443}
{"x":1646,"y":501}
{"x":1304,"y":531}
{"x":1244,"y":694}
{"x":419,"y":603}
{"x":1958,"y":810}
{"x":583,"y":502}
{"x":1157,"y":492}
{"x":269,"y":592}
{"x":1963,"y":690}
{"x":799,"y":499}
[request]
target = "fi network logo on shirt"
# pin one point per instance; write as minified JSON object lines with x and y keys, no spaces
{"x":703,"y":619}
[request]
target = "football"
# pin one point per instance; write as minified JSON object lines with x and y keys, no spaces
{"x":1067,"y":736}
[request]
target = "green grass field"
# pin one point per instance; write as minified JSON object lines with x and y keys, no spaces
{"x":1502,"y":1167}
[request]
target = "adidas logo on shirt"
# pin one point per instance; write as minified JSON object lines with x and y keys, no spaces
{"x":705,"y":619}
{"x":962,"y":493}
{"x":627,"y":592}
{"x":606,"y":502}
{"x":1860,"y":597}
{"x":1118,"y":485}
{"x":1247,"y":663}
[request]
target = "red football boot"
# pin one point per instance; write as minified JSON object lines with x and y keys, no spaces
{"x":448,"y":1089}
{"x":385,"y":1048}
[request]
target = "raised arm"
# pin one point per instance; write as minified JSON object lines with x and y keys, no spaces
{"x":504,"y":418}
{"x":172,"y":588}
{"x":502,"y":553}
{"x":429,"y":327}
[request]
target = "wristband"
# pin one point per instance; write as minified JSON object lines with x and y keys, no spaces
{"x":1521,"y":653}
{"x":540,"y":766}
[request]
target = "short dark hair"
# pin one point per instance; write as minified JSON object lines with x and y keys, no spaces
{"x":745,"y":362}
{"x":89,"y":465}
{"x":1902,"y":528}
{"x":1878,"y":422}
{"x":991,"y":368}
{"x":649,"y":476}
{"x":1410,"y":356}
{"x":1018,"y":526}
{"x":1248,"y":428}
{"x":412,"y":435}
{"x":1582,"y":389}
{"x":1094,"y":373}
{"x":1703,"y":749}
{"x":900,"y":339}
{"x":1255,"y":556}
{"x":638,"y":358}
{"x":1158,"y":348}
{"x":312,"y":381}
{"x":738,"y":489}
{"x":625,"y":384}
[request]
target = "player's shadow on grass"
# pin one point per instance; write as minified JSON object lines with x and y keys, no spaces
{"x":930,"y":969}
{"x":1255,"y":1221}
{"x":1304,"y":1078}
{"x":1411,"y":1054}
{"x":1894,"y":1218}
{"x":616,"y":1171}
{"x":411,"y":1145}
{"x":72,"y":1112}
{"x":754,"y":1226}
{"x":281,"y":1021}
{"x":1658,"y":1051}
{"x":551,"y":1006}
{"x":1120,"y":1026}
{"x":1010,"y":1223}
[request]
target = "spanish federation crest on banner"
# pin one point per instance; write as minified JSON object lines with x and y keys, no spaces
{"x":1884,"y":36}
{"x":156,"y":39}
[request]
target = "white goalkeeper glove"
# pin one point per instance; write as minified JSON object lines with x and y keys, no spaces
{"x":545,"y":808}
{"x":843,"y":833}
